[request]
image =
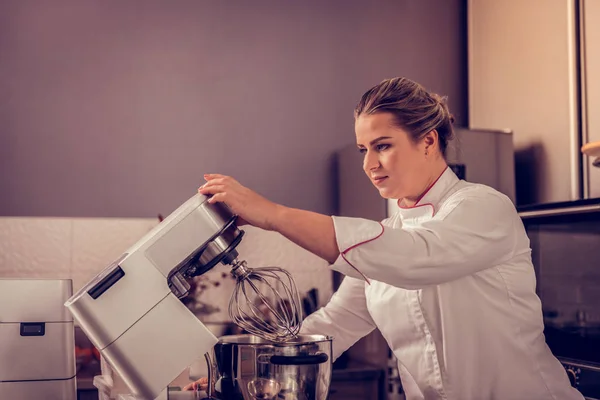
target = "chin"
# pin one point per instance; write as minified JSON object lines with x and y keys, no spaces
{"x":386,"y":194}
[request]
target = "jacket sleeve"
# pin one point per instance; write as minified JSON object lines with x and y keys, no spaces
{"x":345,"y":317}
{"x":468,"y":235}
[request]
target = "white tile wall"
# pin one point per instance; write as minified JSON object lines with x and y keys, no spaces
{"x":79,"y":248}
{"x":35,"y":247}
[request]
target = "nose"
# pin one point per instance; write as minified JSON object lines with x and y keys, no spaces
{"x":371,"y":161}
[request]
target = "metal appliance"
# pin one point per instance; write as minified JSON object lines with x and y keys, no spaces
{"x":484,"y":156}
{"x":246,"y":367}
{"x":37,"y":346}
{"x":132,"y":312}
{"x":565,"y":243}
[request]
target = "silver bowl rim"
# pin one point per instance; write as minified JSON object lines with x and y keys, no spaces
{"x":252,"y":340}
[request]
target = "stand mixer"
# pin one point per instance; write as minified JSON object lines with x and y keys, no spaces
{"x":132,"y":311}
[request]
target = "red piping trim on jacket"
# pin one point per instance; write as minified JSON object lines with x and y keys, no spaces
{"x":343,"y":253}
{"x":423,"y":195}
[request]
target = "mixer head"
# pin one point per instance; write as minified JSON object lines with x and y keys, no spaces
{"x":265,"y":302}
{"x":203,"y":261}
{"x":200,"y":235}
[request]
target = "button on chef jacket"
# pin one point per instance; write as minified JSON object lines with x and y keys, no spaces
{"x":450,"y":285}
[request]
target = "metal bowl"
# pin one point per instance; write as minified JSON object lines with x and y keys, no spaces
{"x":263,"y":389}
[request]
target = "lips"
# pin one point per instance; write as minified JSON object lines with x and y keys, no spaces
{"x":377,"y":180}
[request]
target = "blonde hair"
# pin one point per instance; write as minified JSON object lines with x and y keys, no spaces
{"x":415,"y":110}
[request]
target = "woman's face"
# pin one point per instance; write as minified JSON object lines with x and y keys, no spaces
{"x":395,"y":164}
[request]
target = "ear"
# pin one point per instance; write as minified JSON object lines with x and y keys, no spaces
{"x":430,"y":139}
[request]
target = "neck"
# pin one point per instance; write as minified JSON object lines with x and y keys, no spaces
{"x":435,"y":172}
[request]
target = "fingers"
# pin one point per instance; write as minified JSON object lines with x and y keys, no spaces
{"x":203,"y":383}
{"x":200,"y":384}
{"x":218,"y":184}
{"x":217,"y":197}
{"x":209,"y":177}
{"x":213,"y":182}
{"x":223,"y":178}
{"x":216,"y":181}
{"x":211,"y":189}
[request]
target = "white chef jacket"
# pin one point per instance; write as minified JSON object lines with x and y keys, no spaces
{"x":451,"y":287}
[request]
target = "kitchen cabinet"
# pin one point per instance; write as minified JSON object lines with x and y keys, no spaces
{"x":534,"y":68}
{"x":358,"y":381}
{"x":87,"y":395}
{"x":86,"y":389}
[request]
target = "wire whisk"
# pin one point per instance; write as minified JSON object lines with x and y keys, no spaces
{"x":265,"y":302}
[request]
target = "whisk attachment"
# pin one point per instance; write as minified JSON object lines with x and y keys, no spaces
{"x":265,"y":302}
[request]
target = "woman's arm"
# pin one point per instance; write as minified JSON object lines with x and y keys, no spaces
{"x":476,"y":232}
{"x":312,"y":231}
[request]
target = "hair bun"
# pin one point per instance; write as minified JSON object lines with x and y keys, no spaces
{"x":442,"y":102}
{"x":437,"y":98}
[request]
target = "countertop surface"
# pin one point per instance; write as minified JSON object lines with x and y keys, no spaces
{"x":351,"y":371}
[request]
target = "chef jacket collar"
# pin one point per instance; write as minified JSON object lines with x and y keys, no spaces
{"x":428,"y":203}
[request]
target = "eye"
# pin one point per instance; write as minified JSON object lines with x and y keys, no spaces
{"x":362,"y":150}
{"x":382,"y":146}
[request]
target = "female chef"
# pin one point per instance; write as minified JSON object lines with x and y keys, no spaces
{"x":448,"y":279}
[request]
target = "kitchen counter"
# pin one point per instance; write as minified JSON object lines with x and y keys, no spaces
{"x":355,"y":380}
{"x":87,"y":391}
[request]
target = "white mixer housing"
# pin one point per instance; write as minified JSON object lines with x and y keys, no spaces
{"x":131,"y":311}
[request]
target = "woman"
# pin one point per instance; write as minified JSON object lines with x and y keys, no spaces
{"x":448,"y":279}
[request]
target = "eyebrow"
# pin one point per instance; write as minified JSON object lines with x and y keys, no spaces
{"x":379,"y":139}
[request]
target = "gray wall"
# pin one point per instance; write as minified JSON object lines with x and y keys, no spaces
{"x":111,"y":108}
